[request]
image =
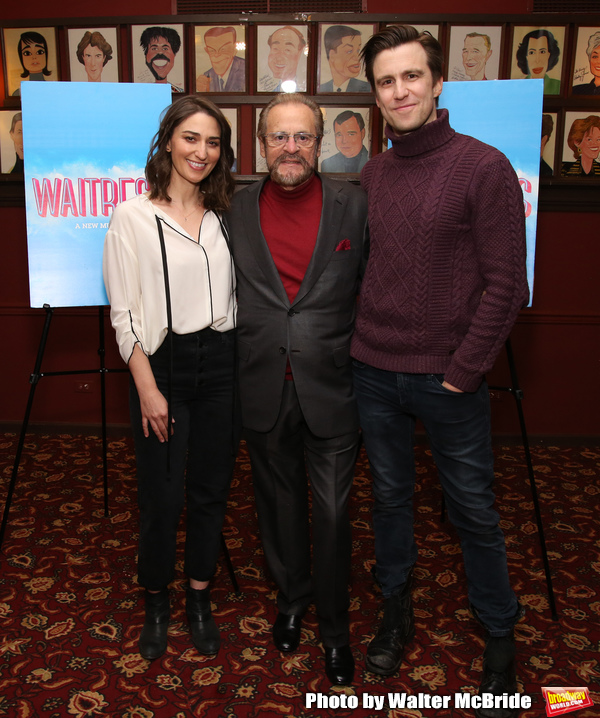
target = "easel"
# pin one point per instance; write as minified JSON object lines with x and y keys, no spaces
{"x":517,"y":393}
{"x":34,"y":379}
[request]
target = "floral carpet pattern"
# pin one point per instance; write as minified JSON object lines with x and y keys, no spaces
{"x":71,"y":610}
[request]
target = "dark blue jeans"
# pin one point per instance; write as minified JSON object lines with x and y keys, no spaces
{"x":458,"y":428}
{"x":202,"y":456}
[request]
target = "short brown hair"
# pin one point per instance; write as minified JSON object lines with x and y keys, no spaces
{"x":396,"y":35}
{"x":219,"y":30}
{"x":217,"y":188}
{"x":284,"y":98}
{"x":547,"y":126}
{"x":578,"y":130}
{"x":95,"y":39}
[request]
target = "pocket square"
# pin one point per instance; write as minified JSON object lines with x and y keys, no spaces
{"x":344,"y":244}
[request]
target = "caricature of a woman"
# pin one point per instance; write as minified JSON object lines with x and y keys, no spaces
{"x":537,"y":54}
{"x":593,"y":52}
{"x":33,"y":54}
{"x":584,"y":140}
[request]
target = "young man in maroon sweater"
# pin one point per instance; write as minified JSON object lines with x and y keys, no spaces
{"x":444,"y":284}
{"x":299,"y":242}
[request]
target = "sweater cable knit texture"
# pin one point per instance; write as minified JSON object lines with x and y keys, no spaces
{"x":446,"y":276}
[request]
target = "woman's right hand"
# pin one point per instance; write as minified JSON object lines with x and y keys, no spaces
{"x":155,"y":414}
{"x":153,"y":404}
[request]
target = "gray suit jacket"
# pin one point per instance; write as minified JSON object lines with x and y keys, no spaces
{"x":236,"y":82}
{"x":353,"y":86}
{"x":314,"y":331}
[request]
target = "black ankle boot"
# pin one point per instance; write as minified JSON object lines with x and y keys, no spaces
{"x":205,"y":634}
{"x":153,"y":638}
{"x":499,"y":672}
{"x":397,"y":628}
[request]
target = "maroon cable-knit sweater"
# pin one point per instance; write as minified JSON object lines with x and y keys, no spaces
{"x":446,"y":273}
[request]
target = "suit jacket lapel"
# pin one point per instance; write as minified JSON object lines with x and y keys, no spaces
{"x":334,"y":203}
{"x":258,"y":243}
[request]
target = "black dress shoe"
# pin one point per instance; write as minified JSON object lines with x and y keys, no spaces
{"x":286,"y":632}
{"x":339,"y":665}
{"x":499,"y":675}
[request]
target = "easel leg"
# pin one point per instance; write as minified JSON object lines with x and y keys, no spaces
{"x":518,"y":394}
{"x":230,"y":568}
{"x":101,"y":354}
{"x":33,"y":380}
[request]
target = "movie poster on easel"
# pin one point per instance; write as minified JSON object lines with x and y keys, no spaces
{"x":85,"y":149}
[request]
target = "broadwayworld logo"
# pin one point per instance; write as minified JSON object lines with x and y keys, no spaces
{"x":566,"y":700}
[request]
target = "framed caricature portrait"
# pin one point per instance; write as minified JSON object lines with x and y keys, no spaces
{"x":339,"y":65}
{"x":260,"y":163}
{"x":586,"y":69}
{"x":93,"y":54}
{"x":231,"y":115}
{"x":548,"y":146}
{"x":538,"y":53}
{"x":158,"y":55}
{"x":581,"y":145}
{"x":474,"y":52}
{"x":346,"y":139}
{"x":220,"y":53}
{"x":282,"y":54}
{"x":29,"y":56}
{"x":11,"y":142}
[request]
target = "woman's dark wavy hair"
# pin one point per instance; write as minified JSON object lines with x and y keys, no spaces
{"x":553,"y":49}
{"x":217,"y":188}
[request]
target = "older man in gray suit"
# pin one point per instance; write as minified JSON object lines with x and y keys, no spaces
{"x":299,"y":244}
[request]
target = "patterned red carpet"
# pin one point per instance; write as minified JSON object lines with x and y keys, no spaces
{"x":71,"y":612}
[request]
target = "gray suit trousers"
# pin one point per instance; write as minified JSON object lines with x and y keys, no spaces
{"x":281,"y":459}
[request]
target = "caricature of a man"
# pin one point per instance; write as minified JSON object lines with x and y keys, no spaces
{"x":477,"y":50}
{"x":228,"y":71}
{"x":352,"y":155}
{"x":547,"y":129}
{"x":160,"y":45}
{"x":93,"y":52}
{"x":16,"y":135}
{"x":342,"y":47}
{"x":285,"y":48}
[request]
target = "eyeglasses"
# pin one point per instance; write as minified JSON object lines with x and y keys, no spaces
{"x":304,"y":140}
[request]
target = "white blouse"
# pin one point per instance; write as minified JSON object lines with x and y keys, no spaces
{"x":201,"y":276}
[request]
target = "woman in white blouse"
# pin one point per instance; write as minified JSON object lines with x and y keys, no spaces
{"x":170,"y":282}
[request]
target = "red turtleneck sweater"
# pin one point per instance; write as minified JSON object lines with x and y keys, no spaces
{"x":290,"y":220}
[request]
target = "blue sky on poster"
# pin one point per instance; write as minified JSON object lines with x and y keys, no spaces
{"x":73,"y":133}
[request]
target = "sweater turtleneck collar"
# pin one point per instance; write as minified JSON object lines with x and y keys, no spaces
{"x":298,"y":193}
{"x":427,"y":138}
